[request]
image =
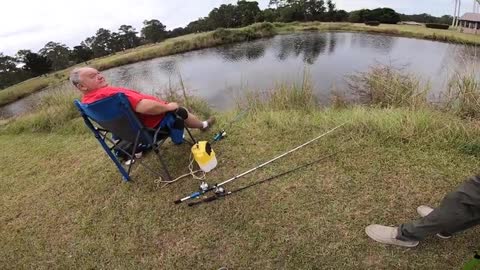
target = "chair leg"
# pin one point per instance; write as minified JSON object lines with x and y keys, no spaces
{"x":191,"y":137}
{"x":165,"y":170}
{"x":125,"y":174}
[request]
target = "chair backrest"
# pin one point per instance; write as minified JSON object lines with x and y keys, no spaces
{"x":115,"y":114}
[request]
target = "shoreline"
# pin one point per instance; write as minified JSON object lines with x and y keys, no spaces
{"x":221,"y":36}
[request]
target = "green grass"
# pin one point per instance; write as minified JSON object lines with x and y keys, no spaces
{"x":224,"y":36}
{"x":63,"y":204}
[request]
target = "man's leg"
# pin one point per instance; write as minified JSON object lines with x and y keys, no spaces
{"x":192,"y":121}
{"x":458,"y":211}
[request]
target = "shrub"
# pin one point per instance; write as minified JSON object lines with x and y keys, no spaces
{"x":437,"y":25}
{"x":463,"y":95}
{"x":373,"y":23}
{"x":385,"y":86}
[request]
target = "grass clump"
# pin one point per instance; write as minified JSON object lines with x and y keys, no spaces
{"x":463,"y":95}
{"x":385,"y":86}
{"x":56,"y":113}
{"x":22,"y":89}
{"x":282,"y":97}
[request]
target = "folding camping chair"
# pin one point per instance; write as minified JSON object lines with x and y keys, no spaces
{"x":114,"y":116}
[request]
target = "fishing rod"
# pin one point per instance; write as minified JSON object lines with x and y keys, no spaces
{"x":228,"y":193}
{"x":217,"y":188}
{"x":222,"y":133}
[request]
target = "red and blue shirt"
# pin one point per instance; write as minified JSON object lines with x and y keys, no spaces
{"x":134,"y":97}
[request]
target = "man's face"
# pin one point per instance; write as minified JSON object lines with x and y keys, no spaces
{"x":91,"y":79}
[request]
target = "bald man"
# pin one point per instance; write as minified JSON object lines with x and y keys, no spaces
{"x":150,"y":110}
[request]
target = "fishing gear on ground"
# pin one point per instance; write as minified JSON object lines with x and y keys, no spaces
{"x":217,"y":188}
{"x":222,"y":133}
{"x":224,"y":193}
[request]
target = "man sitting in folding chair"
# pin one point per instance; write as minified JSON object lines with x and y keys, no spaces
{"x":151,"y":111}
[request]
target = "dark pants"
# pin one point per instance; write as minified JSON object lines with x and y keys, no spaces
{"x":458,"y":211}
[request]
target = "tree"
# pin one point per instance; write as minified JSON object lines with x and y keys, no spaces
{"x":225,"y":16}
{"x":101,"y":44}
{"x":153,"y":31}
{"x":179,"y":31}
{"x":127,"y":37}
{"x":37,"y":64}
{"x":331,"y":11}
{"x":21,"y":56}
{"x":81,"y":53}
{"x":9,"y":73}
{"x":57,"y":53}
{"x":358,"y":16}
{"x":270,"y":15}
{"x":383,"y":15}
{"x":247,"y":11}
{"x":200,"y":25}
{"x":341,"y":16}
{"x":315,"y":10}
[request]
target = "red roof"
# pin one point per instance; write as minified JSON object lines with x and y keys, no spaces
{"x":473,"y":17}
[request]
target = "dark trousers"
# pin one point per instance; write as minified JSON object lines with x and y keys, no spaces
{"x":458,"y":211}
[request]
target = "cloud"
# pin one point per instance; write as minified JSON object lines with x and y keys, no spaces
{"x":30,"y":24}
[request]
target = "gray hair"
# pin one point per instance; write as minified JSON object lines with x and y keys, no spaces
{"x":75,"y":76}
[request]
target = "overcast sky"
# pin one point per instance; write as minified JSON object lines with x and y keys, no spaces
{"x":30,"y":24}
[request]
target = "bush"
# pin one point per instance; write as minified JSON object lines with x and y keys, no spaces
{"x":386,"y":86}
{"x":437,"y":26}
{"x":373,"y":23}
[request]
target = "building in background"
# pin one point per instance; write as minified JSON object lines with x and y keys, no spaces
{"x":470,"y":23}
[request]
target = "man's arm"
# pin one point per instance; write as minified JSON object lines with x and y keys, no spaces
{"x":152,"y":107}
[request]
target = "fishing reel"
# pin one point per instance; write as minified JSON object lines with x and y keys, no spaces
{"x":204,"y":186}
{"x":219,"y":135}
{"x":219,"y":191}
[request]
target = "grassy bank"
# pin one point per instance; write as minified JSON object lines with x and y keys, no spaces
{"x":224,"y":36}
{"x":64,"y":205}
{"x":389,"y":29}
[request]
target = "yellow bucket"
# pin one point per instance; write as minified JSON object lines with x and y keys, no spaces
{"x":204,"y":156}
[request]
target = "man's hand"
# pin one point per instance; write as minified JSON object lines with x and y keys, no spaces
{"x":172,"y":106}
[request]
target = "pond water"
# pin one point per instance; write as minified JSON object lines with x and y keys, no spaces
{"x":221,"y":74}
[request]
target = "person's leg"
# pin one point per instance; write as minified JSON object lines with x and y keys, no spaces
{"x":458,"y":211}
{"x":192,"y":120}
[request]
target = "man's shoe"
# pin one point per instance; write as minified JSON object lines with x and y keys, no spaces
{"x":424,"y":211}
{"x":211,"y":120}
{"x":387,"y":235}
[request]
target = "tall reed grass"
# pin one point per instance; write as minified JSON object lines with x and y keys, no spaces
{"x":385,"y":86}
{"x":463,"y":94}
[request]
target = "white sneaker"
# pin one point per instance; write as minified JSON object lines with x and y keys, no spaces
{"x":387,"y":235}
{"x":424,"y":211}
{"x":137,"y":156}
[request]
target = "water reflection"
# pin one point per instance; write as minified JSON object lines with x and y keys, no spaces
{"x":309,"y":46}
{"x":383,"y":45}
{"x":249,"y":51}
{"x":216,"y":73}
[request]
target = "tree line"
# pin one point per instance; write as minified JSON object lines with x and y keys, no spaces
{"x":57,"y":56}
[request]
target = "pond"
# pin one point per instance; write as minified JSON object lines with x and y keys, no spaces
{"x":221,"y":74}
